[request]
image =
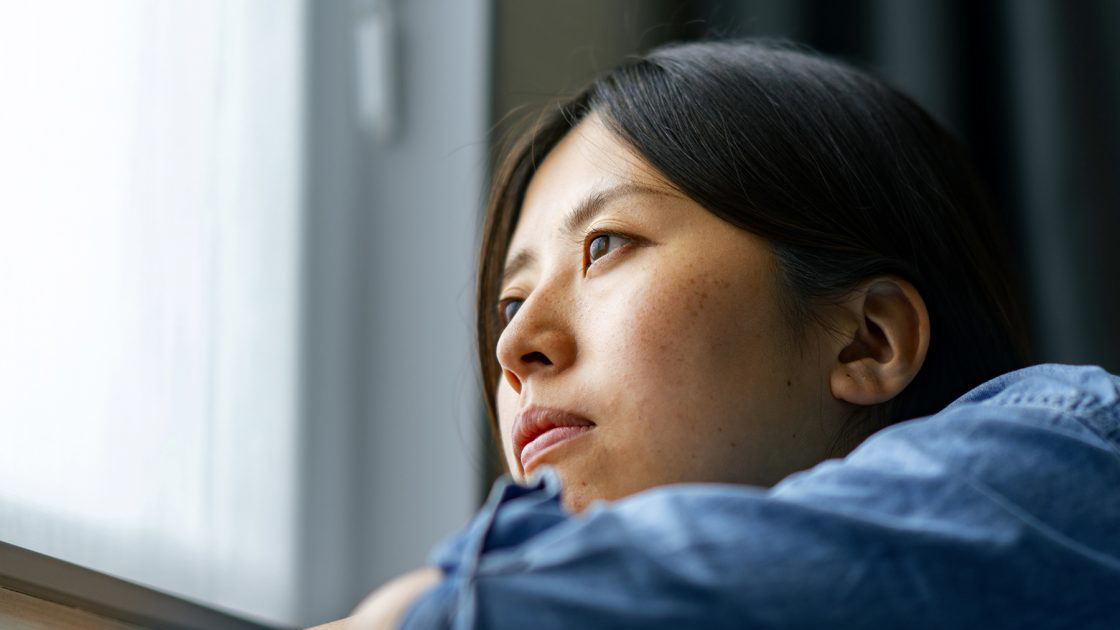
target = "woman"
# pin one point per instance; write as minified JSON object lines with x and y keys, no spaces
{"x":704,"y":281}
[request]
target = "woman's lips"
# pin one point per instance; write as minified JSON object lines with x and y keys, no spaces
{"x":537,"y":429}
{"x":547,"y":439}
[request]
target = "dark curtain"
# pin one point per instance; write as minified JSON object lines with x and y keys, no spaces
{"x":1033,"y":88}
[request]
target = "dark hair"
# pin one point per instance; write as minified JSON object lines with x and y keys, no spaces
{"x":844,"y":176}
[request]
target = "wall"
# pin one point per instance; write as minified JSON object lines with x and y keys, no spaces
{"x":391,"y":442}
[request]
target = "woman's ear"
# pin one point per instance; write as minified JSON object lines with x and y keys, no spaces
{"x":884,"y":338}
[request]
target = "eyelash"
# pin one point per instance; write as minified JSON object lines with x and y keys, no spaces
{"x":588,"y":239}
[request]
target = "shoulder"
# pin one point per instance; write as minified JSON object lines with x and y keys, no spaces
{"x":1028,"y":460}
{"x":1049,"y":414}
{"x":1038,"y":406}
{"x":1072,"y":388}
{"x":1044,"y":416}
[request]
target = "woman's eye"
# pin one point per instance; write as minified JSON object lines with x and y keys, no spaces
{"x":602,"y":245}
{"x":508,"y":308}
{"x":597,"y":247}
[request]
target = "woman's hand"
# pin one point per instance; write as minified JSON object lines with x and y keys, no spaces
{"x":383,"y":609}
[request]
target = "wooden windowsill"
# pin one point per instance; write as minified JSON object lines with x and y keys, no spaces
{"x":38,"y":592}
{"x":24,"y":612}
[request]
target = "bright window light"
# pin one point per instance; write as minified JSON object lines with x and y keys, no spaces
{"x":149,"y":274}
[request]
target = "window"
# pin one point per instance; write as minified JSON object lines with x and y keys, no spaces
{"x":226,"y":370}
{"x":149,"y":231}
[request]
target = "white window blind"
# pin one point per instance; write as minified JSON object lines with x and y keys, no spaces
{"x":149,"y":280}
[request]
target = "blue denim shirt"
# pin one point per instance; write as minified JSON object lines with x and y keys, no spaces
{"x":1001,"y":511}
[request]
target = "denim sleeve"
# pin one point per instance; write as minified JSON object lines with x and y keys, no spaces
{"x":1001,"y":511}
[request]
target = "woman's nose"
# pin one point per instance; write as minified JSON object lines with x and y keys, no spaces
{"x":536,"y":343}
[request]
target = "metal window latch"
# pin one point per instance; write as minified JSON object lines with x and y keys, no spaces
{"x":376,"y":66}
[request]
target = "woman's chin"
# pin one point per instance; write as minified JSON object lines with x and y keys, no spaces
{"x":580,"y":492}
{"x":579,"y":485}
{"x":576,"y":491}
{"x":576,"y":501}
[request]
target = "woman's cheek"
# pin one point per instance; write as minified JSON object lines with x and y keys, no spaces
{"x":645,"y":332}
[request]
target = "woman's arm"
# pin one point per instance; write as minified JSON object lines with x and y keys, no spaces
{"x":341,"y":624}
{"x":383,"y":609}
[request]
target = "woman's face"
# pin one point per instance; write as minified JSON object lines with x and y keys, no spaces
{"x":651,"y":328}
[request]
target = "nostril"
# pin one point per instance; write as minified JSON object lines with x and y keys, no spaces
{"x":536,"y":357}
{"x":513,"y":381}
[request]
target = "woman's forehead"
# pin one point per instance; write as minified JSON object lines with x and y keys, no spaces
{"x":587,"y":157}
{"x":589,"y":164}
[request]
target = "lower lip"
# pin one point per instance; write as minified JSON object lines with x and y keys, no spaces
{"x":547,"y":440}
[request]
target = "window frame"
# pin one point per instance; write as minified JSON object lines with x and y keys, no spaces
{"x":61,"y":582}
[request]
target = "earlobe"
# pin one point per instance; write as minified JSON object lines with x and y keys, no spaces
{"x":884,"y":343}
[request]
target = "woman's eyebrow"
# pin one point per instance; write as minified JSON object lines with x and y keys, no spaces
{"x":522,"y":259}
{"x":593,"y":204}
{"x":581,"y":215}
